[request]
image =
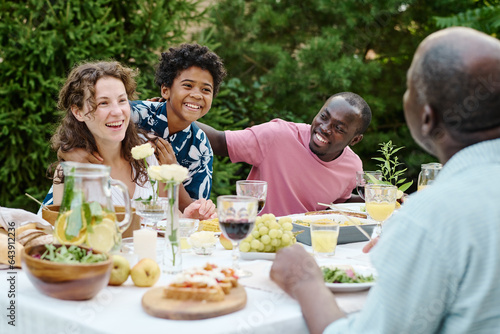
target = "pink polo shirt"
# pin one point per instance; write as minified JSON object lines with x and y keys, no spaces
{"x":297,"y":179}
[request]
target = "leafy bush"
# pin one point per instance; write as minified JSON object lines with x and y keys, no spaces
{"x":40,"y":42}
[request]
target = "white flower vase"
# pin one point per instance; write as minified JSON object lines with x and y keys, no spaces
{"x":172,"y":256}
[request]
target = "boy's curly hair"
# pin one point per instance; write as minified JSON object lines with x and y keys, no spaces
{"x":185,"y":56}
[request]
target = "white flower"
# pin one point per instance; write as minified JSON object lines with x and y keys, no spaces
{"x":154,"y":173}
{"x":142,"y":151}
{"x":166,"y":173}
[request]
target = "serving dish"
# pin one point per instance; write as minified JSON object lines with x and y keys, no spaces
{"x":67,"y":281}
{"x":347,"y":234}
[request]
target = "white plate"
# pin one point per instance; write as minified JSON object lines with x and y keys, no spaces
{"x":349,"y":287}
{"x":356,"y":207}
{"x":257,"y":256}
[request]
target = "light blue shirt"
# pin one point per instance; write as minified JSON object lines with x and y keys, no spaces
{"x":438,"y":260}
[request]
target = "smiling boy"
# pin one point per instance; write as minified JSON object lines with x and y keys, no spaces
{"x":303,"y":164}
{"x":189,"y":77}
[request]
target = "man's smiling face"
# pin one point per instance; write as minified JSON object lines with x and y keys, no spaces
{"x":335,"y":126}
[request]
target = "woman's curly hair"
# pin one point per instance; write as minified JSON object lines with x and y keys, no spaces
{"x":79,"y":91}
{"x":185,"y":56}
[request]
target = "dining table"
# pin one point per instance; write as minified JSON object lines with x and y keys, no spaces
{"x":118,"y":309}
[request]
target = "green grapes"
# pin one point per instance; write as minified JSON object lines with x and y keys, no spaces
{"x":265,"y":239}
{"x":269,"y":235}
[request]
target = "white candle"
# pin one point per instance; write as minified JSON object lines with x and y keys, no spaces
{"x":145,"y":243}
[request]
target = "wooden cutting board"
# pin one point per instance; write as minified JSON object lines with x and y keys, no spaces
{"x":158,"y":306}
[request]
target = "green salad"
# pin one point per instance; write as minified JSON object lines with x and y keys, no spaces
{"x":337,"y":275}
{"x":71,"y":254}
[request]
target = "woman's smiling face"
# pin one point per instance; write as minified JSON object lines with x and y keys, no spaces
{"x":334,"y":127}
{"x":109,"y":121}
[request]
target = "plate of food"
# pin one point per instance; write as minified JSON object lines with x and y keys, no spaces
{"x":197,"y":293}
{"x":348,"y":278}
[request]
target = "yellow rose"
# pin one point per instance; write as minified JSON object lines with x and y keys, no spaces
{"x":142,"y":151}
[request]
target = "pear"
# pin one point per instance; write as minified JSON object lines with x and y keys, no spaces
{"x":145,"y":273}
{"x":120,"y":271}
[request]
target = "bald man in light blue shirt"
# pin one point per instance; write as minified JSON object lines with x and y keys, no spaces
{"x":438,"y":260}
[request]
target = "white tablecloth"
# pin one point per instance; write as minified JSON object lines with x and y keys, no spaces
{"x":118,"y":309}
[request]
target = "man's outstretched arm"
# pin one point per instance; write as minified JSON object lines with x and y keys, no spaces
{"x":217,"y":139}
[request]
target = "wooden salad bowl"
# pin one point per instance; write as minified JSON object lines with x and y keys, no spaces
{"x":65,"y":280}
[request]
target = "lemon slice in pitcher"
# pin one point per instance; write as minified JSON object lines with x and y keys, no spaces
{"x":60,"y":230}
{"x":102,"y":237}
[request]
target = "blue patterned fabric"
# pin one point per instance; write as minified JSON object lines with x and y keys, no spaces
{"x":438,"y":260}
{"x":191,"y":145}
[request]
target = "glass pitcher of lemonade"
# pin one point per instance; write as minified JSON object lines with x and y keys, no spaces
{"x":428,"y":174}
{"x":87,"y":216}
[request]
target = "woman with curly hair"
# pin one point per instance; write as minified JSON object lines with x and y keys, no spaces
{"x":95,"y":99}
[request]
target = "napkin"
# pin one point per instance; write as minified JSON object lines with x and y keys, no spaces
{"x":13,"y":219}
{"x":22,"y":217}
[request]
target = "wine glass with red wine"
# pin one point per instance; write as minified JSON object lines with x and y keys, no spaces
{"x":237,"y":215}
{"x":253,"y":188}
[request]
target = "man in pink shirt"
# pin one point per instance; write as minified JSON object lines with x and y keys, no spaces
{"x":303,"y":164}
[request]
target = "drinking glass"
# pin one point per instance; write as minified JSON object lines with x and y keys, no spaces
{"x":324,"y":236}
{"x":380,"y":202}
{"x":237,"y":216}
{"x":253,"y":188}
{"x":428,"y":174}
{"x":364,"y":177}
{"x":187,"y":226}
{"x":152,"y":211}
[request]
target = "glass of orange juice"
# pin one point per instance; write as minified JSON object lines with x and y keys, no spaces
{"x":324,"y":235}
{"x":380,"y":202}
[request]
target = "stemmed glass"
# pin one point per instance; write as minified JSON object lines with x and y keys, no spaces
{"x":237,"y":215}
{"x":364,"y":177}
{"x":380,"y":202}
{"x":253,"y":188}
{"x":152,"y":211}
